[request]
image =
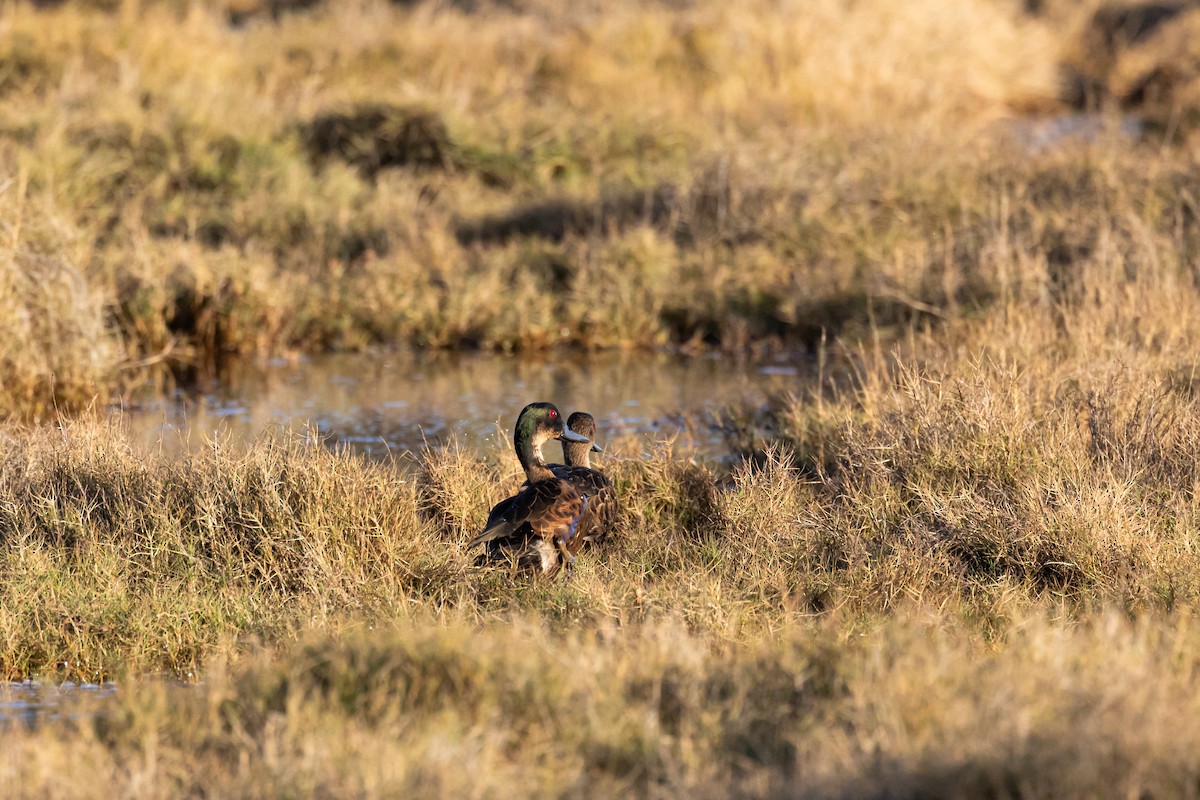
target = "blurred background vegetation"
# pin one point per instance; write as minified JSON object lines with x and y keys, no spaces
{"x":185,"y":181}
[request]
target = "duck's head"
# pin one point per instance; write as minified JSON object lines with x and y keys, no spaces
{"x":541,"y":422}
{"x":576,"y":453}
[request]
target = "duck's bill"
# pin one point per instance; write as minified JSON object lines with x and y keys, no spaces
{"x":569,"y":435}
{"x":596,"y":448}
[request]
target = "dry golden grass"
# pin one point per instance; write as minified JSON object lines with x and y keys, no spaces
{"x":365,"y":173}
{"x":963,"y":564}
{"x":974,"y":575}
{"x":917,"y":707}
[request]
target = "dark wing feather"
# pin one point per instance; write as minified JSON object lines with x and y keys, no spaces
{"x":499,"y":547}
{"x":551,"y":508}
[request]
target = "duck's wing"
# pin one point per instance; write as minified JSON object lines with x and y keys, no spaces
{"x":601,"y":495}
{"x":498,"y":547}
{"x":566,"y":520}
{"x":588,"y":481}
{"x":500,"y":511}
{"x":546,"y":506}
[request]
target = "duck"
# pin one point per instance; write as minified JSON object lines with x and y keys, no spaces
{"x":592,"y":483}
{"x":546,"y":520}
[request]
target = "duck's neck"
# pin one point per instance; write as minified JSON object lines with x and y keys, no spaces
{"x":529,"y":453}
{"x":578,"y":454}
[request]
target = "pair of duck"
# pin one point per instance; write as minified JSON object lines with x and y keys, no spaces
{"x":561,"y":506}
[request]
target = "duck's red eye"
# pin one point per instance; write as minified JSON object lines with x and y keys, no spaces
{"x":553,"y":413}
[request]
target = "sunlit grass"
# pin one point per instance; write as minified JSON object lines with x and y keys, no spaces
{"x":958,"y":575}
{"x":367,"y":173}
{"x":961,"y":563}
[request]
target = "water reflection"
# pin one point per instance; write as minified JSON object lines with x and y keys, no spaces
{"x":31,"y":703}
{"x":375,"y":404}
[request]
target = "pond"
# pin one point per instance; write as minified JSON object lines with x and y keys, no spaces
{"x":32,"y":703}
{"x":376,"y":404}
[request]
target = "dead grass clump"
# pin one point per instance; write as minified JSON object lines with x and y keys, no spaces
{"x":26,"y":67}
{"x":177,"y":180}
{"x":680,"y":498}
{"x":67,"y":489}
{"x":772,"y":547}
{"x":375,"y":137}
{"x":1140,"y":57}
{"x":243,"y":11}
{"x":55,"y":346}
{"x":457,"y":492}
{"x":1150,"y":441}
{"x":1160,"y":77}
{"x":982,"y":476}
{"x":197,"y":306}
{"x":262,"y":517}
{"x":707,"y":209}
{"x":284,"y":526}
{"x":923,"y":706}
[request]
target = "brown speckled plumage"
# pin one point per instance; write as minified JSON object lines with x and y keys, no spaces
{"x":591,"y":483}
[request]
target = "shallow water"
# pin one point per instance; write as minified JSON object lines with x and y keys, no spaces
{"x":378,"y":404}
{"x":1041,"y":133}
{"x":32,"y":703}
